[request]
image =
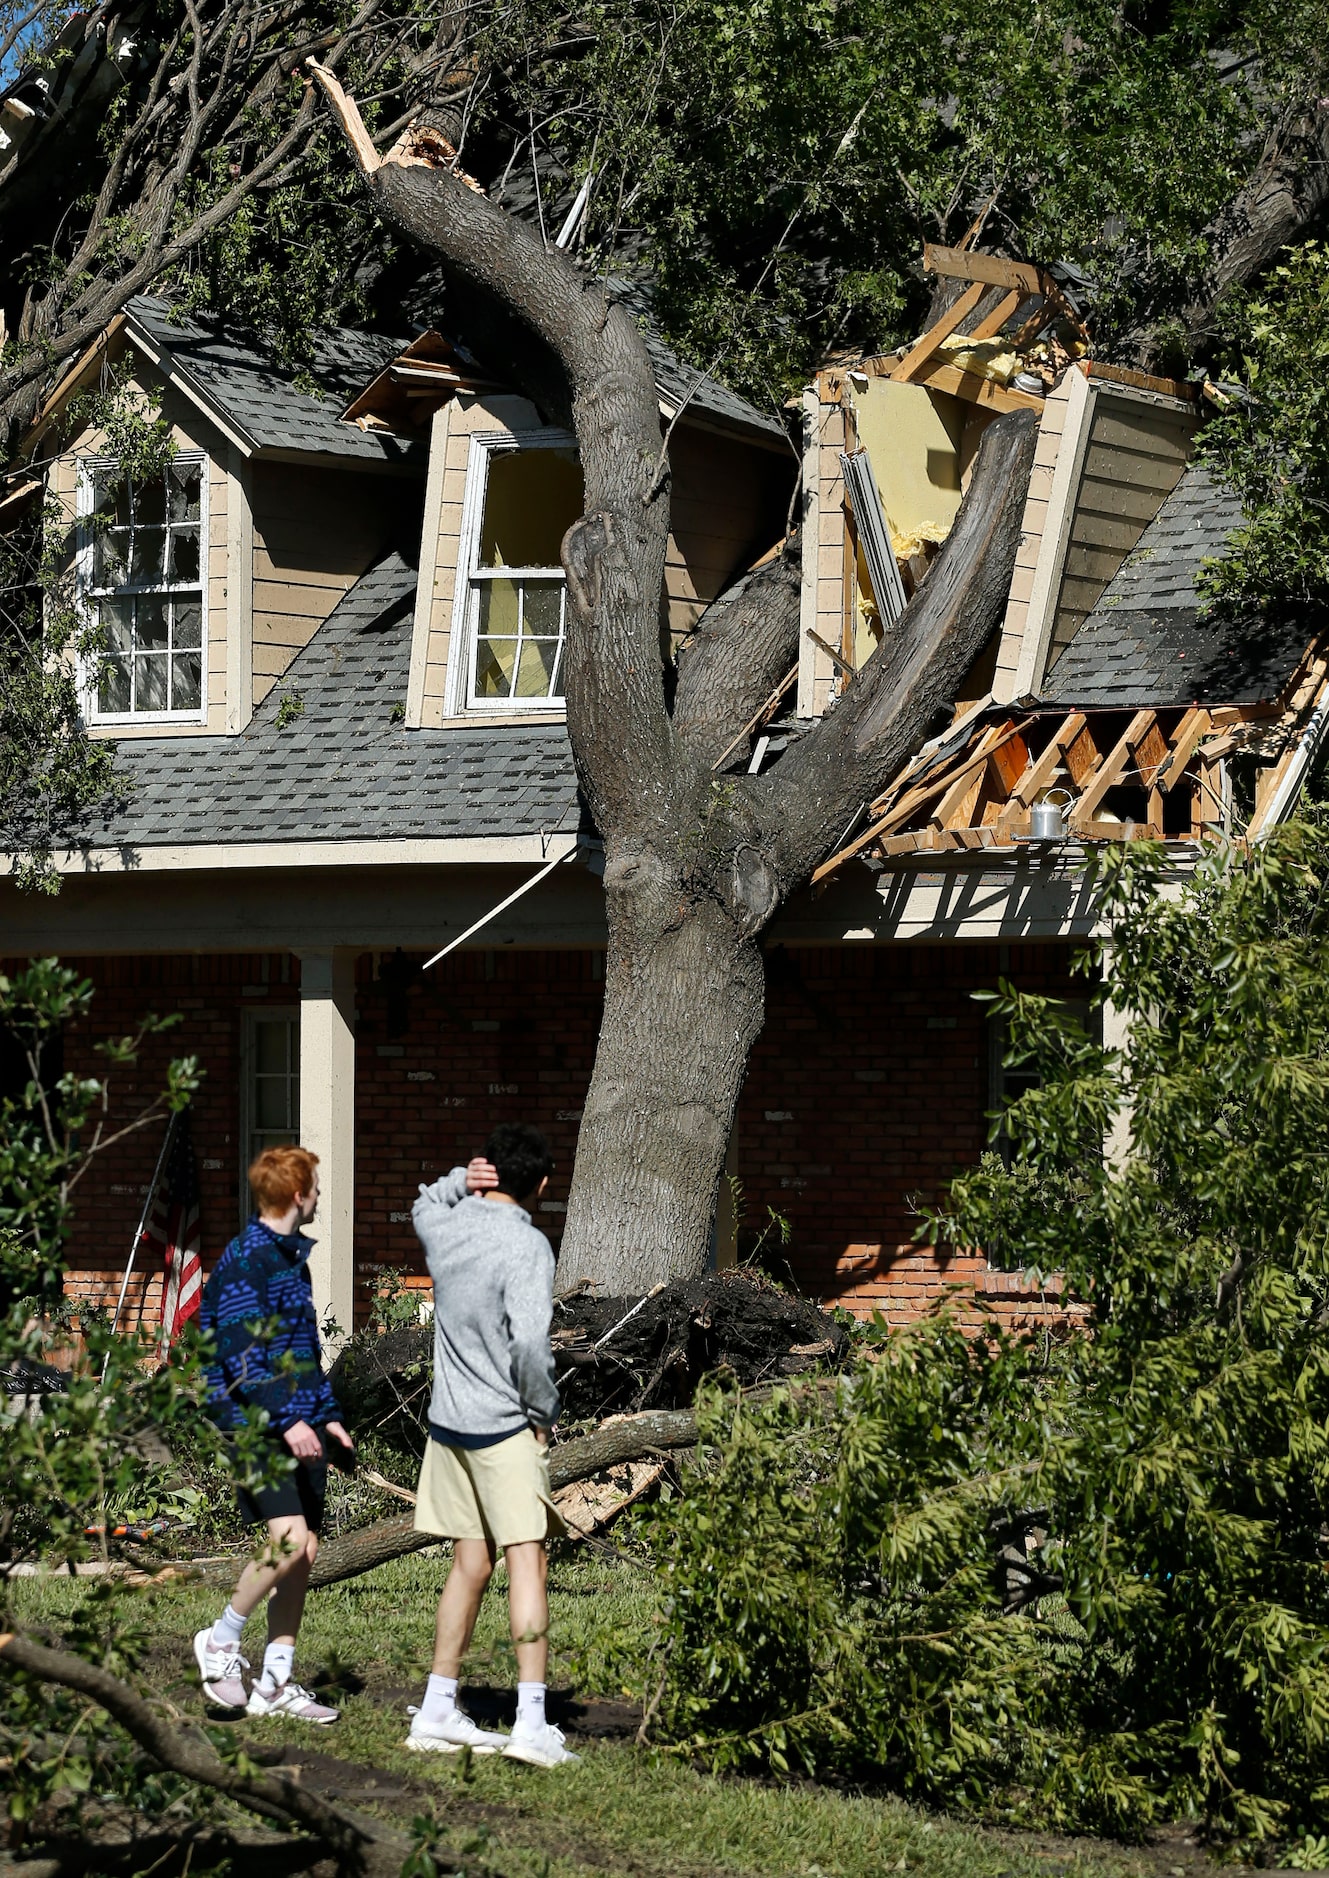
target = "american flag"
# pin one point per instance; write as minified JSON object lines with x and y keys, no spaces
{"x":173,"y":1230}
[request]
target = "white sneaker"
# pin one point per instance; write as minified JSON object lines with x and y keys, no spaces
{"x":289,"y":1698}
{"x":541,"y":1745}
{"x":450,"y":1736}
{"x":219,"y":1667}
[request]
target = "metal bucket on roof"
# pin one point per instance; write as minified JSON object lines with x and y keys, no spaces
{"x":1046,"y":819}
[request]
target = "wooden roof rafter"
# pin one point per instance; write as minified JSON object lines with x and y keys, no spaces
{"x":980,"y":795}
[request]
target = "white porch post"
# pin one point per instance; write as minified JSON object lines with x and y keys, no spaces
{"x":327,"y":1121}
{"x":1116,"y":1035}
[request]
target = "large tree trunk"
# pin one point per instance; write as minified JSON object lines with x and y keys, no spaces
{"x":696,"y":865}
{"x":684,"y":1003}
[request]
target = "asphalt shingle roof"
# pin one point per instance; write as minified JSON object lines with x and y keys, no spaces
{"x":343,"y":770}
{"x":238,"y":379}
{"x":1146,"y":643}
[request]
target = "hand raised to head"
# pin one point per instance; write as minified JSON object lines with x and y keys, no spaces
{"x":481,"y":1175}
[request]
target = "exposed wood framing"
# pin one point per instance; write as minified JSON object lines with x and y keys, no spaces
{"x":922,"y":349}
{"x":979,"y":795}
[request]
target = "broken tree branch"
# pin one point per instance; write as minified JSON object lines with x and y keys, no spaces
{"x":360,"y":1845}
{"x":632,"y":1439}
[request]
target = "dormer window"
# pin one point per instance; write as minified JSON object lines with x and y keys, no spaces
{"x":510,"y":614}
{"x":141,"y":583}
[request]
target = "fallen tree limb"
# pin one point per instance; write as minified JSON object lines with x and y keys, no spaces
{"x":359,"y":1845}
{"x":632,"y":1439}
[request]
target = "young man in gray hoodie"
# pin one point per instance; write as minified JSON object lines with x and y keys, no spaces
{"x":484,"y":1480}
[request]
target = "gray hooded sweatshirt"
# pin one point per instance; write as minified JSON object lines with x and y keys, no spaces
{"x":493,"y":1275}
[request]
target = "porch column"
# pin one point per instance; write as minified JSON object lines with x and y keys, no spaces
{"x":327,"y":1121}
{"x":1116,"y":1035}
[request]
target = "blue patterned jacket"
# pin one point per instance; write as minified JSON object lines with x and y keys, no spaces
{"x":261,"y":1276}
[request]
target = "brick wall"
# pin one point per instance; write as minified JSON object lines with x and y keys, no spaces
{"x":866,"y":1094}
{"x":209,"y":993}
{"x":481,"y":1038}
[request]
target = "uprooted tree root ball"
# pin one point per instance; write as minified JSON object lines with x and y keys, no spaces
{"x":615,"y":1356}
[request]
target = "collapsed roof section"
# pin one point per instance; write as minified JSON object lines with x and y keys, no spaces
{"x":1157,"y":721}
{"x":890,"y":446}
{"x":1110,"y":693}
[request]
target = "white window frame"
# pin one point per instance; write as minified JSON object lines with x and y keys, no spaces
{"x":88,"y":469}
{"x":251,"y":1019}
{"x":463,"y":641}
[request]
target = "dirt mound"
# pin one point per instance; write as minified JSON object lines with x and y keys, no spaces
{"x":613,"y":1356}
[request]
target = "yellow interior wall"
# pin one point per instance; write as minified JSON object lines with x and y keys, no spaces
{"x":532,"y":499}
{"x":914,"y":438}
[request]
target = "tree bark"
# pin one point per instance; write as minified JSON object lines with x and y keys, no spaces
{"x":741,"y":647}
{"x":1287,"y":193}
{"x":684,"y":1004}
{"x":695,"y":865}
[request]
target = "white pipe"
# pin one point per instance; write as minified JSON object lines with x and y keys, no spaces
{"x":575,"y":213}
{"x":502,"y":907}
{"x":1307,"y":750}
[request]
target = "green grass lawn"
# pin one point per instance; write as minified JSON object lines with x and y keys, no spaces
{"x":625,"y":1810}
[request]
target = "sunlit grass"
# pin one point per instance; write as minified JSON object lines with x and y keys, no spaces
{"x":625,"y":1809}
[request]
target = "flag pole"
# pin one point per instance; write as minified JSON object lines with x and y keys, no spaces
{"x":138,"y":1236}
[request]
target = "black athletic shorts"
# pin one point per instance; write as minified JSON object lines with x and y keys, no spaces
{"x":303,"y":1492}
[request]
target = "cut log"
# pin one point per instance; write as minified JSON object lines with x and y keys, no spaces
{"x":632,"y":1439}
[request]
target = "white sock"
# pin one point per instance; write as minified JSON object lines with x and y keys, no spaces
{"x":278,"y":1661}
{"x":440,"y":1699}
{"x":228,"y":1627}
{"x":531,"y":1704}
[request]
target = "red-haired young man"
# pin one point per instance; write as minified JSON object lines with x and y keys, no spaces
{"x":258,"y":1309}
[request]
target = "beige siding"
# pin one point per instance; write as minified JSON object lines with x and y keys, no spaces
{"x":818,"y":674}
{"x":316,"y":531}
{"x":1051,"y":429}
{"x":1135,"y":455}
{"x":465,"y":417}
{"x":728,"y":504}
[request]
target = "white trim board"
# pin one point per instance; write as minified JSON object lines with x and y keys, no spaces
{"x":1056,"y":534}
{"x":484,"y":446}
{"x":220,"y":857}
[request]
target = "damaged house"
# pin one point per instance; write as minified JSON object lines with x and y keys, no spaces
{"x":334,"y":637}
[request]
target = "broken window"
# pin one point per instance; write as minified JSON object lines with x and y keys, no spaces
{"x":515,"y":597}
{"x":142,"y":579}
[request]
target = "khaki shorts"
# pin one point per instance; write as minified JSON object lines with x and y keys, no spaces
{"x":500,"y":1493}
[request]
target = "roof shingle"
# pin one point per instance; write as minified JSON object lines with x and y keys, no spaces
{"x":344,"y":769}
{"x":1148,"y":642}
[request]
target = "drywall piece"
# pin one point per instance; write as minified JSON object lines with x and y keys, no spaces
{"x":913,"y":438}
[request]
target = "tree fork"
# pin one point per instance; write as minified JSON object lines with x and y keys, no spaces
{"x":695,"y":867}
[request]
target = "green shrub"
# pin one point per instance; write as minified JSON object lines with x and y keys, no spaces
{"x":830,"y":1594}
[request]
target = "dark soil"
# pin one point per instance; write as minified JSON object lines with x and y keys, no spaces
{"x":737,"y":1324}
